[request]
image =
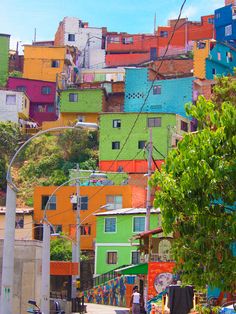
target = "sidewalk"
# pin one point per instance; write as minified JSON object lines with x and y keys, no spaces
{"x":105,"y":309}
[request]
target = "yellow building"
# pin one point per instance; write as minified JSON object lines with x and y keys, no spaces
{"x":23,"y":225}
{"x":201,"y":51}
{"x":43,"y":62}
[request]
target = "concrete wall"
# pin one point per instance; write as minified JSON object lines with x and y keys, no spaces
{"x":27,"y":276}
{"x":11,"y":112}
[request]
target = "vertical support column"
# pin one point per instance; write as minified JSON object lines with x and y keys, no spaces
{"x":148,"y":206}
{"x":8,"y":253}
{"x":45,"y":287}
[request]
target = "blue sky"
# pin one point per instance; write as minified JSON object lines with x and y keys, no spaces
{"x":19,"y":17}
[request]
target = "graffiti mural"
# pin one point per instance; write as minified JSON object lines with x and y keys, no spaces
{"x":110,"y":293}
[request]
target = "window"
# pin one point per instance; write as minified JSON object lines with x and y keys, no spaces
{"x":81,"y":118}
{"x":201,"y":45}
{"x":46,"y":90}
{"x":19,"y":223}
{"x":217,"y":16}
{"x":52,"y":203}
{"x":138,"y":224}
{"x":163,"y":34}
{"x":184,"y":126}
{"x":135,"y":258}
{"x":219,"y":56}
{"x":153,"y":122}
{"x":71,"y":37}
{"x":127,"y":40}
{"x":228,"y":30}
{"x":156,"y":89}
{"x":115,"y":145}
{"x":11,"y":100}
{"x":113,"y":39}
{"x":55,"y":64}
{"x":73,"y":97}
{"x":211,"y":20}
{"x":234,"y":12}
{"x":84,"y":202}
{"x":110,"y":224}
{"x":85,"y":230}
{"x":213,"y":71}
{"x":21,"y":88}
{"x":229,"y":57}
{"x":50,"y":108}
{"x":141,"y":144}
{"x":116,"y":123}
{"x":111,"y":257}
{"x":55,"y":229}
{"x":114,"y":202}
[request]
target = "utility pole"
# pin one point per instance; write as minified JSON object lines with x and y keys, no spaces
{"x":88,"y":40}
{"x":148,"y":205}
{"x":76,"y":244}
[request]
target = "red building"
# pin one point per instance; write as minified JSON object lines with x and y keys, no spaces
{"x":186,"y":32}
{"x":42,"y":97}
{"x":127,"y":49}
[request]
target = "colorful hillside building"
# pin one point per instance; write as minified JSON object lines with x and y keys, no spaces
{"x":166,"y":128}
{"x":42,"y":95}
{"x":115,"y":228}
{"x":14,"y":106}
{"x":225,"y":22}
{"x":213,"y":58}
{"x":51,"y":63}
{"x":4,"y":58}
{"x":82,"y":105}
{"x":90,"y":41}
{"x":165,"y":96}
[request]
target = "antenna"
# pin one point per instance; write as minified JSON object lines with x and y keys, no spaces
{"x":155,"y":16}
{"x":35,"y":33}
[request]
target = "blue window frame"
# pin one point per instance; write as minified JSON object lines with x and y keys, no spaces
{"x":138,"y":224}
{"x":110,"y":224}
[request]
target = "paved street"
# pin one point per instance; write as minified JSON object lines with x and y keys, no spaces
{"x":105,"y":309}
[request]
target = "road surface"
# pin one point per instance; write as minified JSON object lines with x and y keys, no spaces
{"x":105,"y":309}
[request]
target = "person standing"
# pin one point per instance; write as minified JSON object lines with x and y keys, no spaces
{"x":135,"y":302}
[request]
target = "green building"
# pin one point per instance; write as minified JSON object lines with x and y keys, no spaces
{"x":82,"y":100}
{"x":115,"y":228}
{"x":4,"y":58}
{"x":167,"y":129}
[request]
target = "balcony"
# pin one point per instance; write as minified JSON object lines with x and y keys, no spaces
{"x":156,"y":257}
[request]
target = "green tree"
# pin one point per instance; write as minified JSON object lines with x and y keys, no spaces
{"x":60,"y":249}
{"x":196,"y":194}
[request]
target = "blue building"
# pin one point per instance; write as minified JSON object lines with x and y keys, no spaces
{"x":221,"y":60}
{"x":225,"y":24}
{"x":166,"y":96}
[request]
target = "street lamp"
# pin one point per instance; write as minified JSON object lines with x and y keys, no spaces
{"x":9,"y":235}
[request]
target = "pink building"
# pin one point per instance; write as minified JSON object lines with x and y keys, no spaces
{"x":42,"y":97}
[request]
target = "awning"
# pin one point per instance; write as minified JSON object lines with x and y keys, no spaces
{"x":140,"y":269}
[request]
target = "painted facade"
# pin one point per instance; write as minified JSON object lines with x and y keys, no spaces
{"x":212,"y":58}
{"x":23,"y":225}
{"x":63,"y":217}
{"x":4,"y":58}
{"x":225,"y":22}
{"x":42,"y":97}
{"x":14,"y":105}
{"x":101,"y":75}
{"x":89,"y":41}
{"x":114,"y":229}
{"x":221,"y":61}
{"x":114,"y":128}
{"x":185,"y":34}
{"x":137,"y":85}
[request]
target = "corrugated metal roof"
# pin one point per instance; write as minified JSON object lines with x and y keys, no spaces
{"x":18,"y":210}
{"x":128,"y":211}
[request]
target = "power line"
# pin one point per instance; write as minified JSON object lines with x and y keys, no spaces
{"x":153,"y":82}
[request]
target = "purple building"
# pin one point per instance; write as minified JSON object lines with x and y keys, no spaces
{"x":42,"y":96}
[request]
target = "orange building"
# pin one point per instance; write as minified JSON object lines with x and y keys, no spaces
{"x":60,"y":212}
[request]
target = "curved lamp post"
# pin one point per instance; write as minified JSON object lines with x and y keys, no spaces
{"x":9,"y":234}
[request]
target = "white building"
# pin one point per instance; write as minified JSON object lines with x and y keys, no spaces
{"x":13,"y":105}
{"x":89,"y":40}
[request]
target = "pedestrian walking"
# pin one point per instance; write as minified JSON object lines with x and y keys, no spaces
{"x":135,"y":302}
